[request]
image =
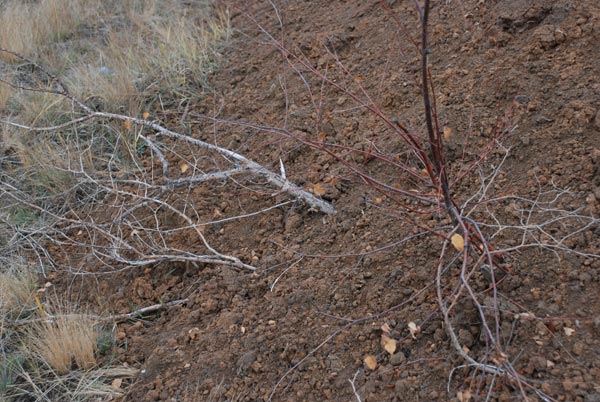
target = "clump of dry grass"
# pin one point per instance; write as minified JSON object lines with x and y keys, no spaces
{"x":166,"y":53}
{"x":17,"y":284}
{"x":54,"y":357}
{"x":44,"y":165}
{"x":67,"y":342}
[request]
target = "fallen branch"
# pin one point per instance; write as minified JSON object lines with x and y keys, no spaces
{"x":124,"y":219}
{"x":134,"y":315}
{"x":241,"y":162}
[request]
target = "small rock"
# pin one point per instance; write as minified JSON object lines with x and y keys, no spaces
{"x":331,"y":193}
{"x":134,"y":328}
{"x":522,"y":99}
{"x":585,"y":277}
{"x":597,"y":323}
{"x":329,"y":129}
{"x":403,"y":386}
{"x":546,"y":388}
{"x":545,"y":36}
{"x":245,"y":361}
{"x":541,"y":328}
{"x":397,"y":359}
{"x":293,"y":222}
{"x":193,"y":334}
{"x":578,"y":348}
{"x":569,"y":386}
{"x":465,"y":338}
{"x":540,"y":119}
{"x":334,"y":363}
{"x":595,"y":397}
{"x":539,"y":363}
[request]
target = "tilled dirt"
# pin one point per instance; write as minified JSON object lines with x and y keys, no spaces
{"x":530,"y":66}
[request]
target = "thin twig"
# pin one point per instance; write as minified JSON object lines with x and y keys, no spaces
{"x":134,"y":315}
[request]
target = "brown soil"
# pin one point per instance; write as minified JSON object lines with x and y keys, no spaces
{"x":240,"y":333}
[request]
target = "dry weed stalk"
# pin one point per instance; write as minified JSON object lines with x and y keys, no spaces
{"x":115,"y":318}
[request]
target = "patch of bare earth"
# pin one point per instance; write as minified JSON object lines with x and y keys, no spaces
{"x":239,"y":333}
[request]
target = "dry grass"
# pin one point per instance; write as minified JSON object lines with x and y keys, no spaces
{"x":125,"y":56}
{"x":5,"y":94}
{"x":65,"y":343}
{"x":17,"y":285}
{"x":57,"y":360}
{"x":118,"y":52}
{"x":77,"y":386}
{"x":44,"y":164}
{"x":27,"y":27}
{"x":167,"y":53}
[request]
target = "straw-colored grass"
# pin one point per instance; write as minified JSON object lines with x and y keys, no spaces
{"x":124,"y":56}
{"x":28,"y":27}
{"x":119,"y":51}
{"x":5,"y":93}
{"x":66,"y":343}
{"x":17,"y":284}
